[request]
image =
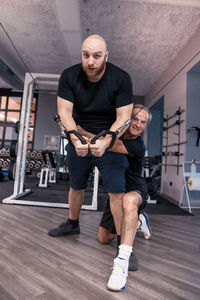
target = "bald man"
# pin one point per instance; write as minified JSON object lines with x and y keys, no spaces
{"x":93,"y":96}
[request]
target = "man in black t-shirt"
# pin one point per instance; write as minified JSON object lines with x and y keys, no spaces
{"x":95,"y":96}
{"x":133,"y":201}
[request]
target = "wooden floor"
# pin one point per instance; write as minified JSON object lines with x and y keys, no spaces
{"x":34,"y":266}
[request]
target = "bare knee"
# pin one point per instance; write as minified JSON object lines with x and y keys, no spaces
{"x":104,"y":236}
{"x":130,"y":203}
{"x":116,"y":196}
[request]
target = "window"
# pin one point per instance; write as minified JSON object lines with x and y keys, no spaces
{"x":10,"y":111}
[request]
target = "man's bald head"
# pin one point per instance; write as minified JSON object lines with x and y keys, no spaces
{"x":94,"y":41}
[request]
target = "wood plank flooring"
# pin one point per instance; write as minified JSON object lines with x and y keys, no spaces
{"x":34,"y":266}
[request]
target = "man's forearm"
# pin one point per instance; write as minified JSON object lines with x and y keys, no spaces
{"x":65,"y":109}
{"x":69,"y":124}
{"x":123,"y":115}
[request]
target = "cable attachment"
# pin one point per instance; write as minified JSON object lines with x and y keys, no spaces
{"x":66,"y":133}
{"x":112,"y":133}
{"x":104,"y":133}
{"x":80,"y":137}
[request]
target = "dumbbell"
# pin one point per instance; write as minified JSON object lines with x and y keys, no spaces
{"x":6,"y":162}
{"x":3,"y":151}
{"x":1,"y":161}
{"x":38,"y":164}
{"x":39,"y":154}
{"x":33,"y":153}
{"x":31,"y":164}
{"x":13,"y":148}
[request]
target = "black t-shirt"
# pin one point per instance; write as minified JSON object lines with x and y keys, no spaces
{"x":95,"y":103}
{"x":136,"y":152}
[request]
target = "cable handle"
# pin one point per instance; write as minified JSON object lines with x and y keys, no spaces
{"x":58,"y":121}
{"x":67,"y":133}
{"x":96,"y":137}
{"x":104,"y":133}
{"x":80,"y":137}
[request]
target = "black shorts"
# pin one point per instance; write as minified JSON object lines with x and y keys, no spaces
{"x":112,"y":167}
{"x":107,"y":220}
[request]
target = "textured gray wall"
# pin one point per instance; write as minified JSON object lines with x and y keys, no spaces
{"x":139,"y":100}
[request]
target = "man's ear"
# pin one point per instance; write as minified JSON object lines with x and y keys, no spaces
{"x":106,"y":55}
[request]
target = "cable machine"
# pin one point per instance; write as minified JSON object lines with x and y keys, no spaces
{"x":19,"y":191}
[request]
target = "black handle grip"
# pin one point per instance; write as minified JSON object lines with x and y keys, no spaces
{"x":80,"y":137}
{"x":67,"y":133}
{"x":96,"y":137}
{"x":103,"y":133}
{"x":57,"y":118}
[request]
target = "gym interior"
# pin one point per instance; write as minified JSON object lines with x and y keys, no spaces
{"x":158,"y":43}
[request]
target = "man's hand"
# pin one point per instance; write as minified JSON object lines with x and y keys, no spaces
{"x":100,"y":146}
{"x":81,"y":150}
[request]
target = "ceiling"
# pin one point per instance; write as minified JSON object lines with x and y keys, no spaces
{"x":143,"y":36}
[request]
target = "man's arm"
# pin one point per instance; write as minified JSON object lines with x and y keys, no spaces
{"x":65,"y":111}
{"x":119,"y":147}
{"x":122,"y":115}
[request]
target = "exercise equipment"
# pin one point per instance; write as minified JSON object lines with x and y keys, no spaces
{"x":2,"y":151}
{"x":17,"y":127}
{"x":6,"y":162}
{"x":194,"y":183}
{"x":177,"y":144}
{"x":191,"y":182}
{"x":19,"y":190}
{"x":198,"y":135}
{"x":1,"y":161}
{"x":93,"y":140}
{"x":48,"y":173}
{"x":152,"y":174}
{"x":172,"y":153}
{"x":12,"y":169}
{"x":13,"y":148}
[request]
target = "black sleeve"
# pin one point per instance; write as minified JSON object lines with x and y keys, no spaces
{"x":65,"y":87}
{"x":124,"y":95}
{"x":135,"y":147}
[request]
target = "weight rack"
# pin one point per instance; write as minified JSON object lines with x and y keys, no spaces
{"x":178,"y":144}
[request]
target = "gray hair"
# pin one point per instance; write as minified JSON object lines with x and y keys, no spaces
{"x":146,"y":109}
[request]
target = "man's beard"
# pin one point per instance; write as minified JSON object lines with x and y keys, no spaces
{"x":97,"y":71}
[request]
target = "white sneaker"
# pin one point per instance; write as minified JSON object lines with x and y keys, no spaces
{"x":118,"y":278}
{"x":143,"y":225}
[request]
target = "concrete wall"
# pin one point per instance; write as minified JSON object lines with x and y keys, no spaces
{"x":139,"y":100}
{"x":173,"y":86}
{"x":45,"y":125}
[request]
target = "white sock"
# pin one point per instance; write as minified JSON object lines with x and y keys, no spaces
{"x":125,"y":251}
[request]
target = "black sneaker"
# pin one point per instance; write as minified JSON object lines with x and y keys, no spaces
{"x":133,"y":262}
{"x":64,"y":229}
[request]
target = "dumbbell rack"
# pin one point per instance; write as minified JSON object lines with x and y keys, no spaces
{"x":178,"y":144}
{"x":5,"y":160}
{"x":34,"y":160}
